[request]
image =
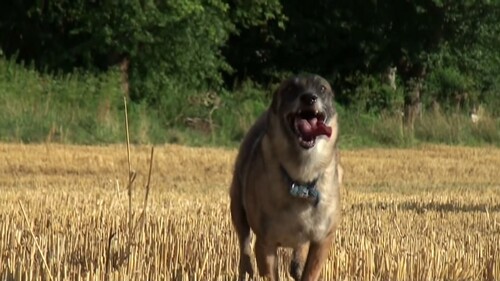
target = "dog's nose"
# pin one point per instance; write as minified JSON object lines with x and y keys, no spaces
{"x":308,"y":98}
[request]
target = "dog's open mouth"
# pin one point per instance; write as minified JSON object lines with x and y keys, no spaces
{"x":308,"y":125}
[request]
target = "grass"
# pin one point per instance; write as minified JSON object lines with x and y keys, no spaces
{"x":426,"y":213}
{"x":84,"y":108}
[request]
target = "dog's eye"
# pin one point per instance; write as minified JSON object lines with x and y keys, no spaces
{"x":322,"y":89}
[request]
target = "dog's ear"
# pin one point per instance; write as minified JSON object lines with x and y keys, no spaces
{"x":274,"y":101}
{"x":278,"y":93}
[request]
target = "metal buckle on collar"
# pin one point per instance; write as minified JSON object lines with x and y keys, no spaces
{"x":305,"y":191}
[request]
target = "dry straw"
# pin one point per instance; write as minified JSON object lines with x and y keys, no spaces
{"x":430,"y":213}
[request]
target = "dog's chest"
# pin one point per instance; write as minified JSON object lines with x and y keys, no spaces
{"x":292,"y":226}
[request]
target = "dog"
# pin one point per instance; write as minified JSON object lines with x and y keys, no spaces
{"x":286,"y":182}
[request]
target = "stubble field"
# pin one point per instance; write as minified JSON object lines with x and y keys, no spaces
{"x":431,"y":213}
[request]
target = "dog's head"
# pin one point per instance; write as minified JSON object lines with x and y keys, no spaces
{"x":304,"y":106}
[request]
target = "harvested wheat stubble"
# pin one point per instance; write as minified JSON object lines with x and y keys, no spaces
{"x":431,"y":213}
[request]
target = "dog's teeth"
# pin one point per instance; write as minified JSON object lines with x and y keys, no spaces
{"x":316,"y":112}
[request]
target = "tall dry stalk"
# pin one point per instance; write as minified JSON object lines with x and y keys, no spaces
{"x":131,"y":178}
{"x":142,"y":217}
{"x":36,"y":241}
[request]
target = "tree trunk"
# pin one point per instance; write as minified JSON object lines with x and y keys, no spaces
{"x":124,"y":67}
{"x":413,"y":105}
{"x":413,"y":99}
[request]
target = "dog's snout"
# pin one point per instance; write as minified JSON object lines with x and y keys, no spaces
{"x":308,"y":98}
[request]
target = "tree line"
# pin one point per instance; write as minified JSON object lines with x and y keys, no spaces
{"x":379,"y":55}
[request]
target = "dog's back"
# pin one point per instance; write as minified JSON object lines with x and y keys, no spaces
{"x":250,"y":143}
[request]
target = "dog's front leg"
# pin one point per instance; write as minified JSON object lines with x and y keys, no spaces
{"x":298,"y":261}
{"x":318,"y":252}
{"x":266,"y":256}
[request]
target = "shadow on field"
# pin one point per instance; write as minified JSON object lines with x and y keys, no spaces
{"x":421,"y":207}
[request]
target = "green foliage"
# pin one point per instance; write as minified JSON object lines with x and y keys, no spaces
{"x":372,"y":95}
{"x":450,"y":88}
{"x":70,"y":108}
{"x":344,"y":39}
{"x":182,"y":49}
{"x":457,"y":129}
{"x":257,"y":13}
{"x":202,"y":71}
{"x":169,"y":44}
{"x":239,"y":110}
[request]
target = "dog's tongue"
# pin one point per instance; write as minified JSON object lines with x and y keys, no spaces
{"x":311,"y":128}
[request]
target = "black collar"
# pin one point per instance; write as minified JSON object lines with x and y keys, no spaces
{"x":302,"y":190}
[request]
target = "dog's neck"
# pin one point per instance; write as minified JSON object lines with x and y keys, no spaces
{"x":306,"y":168}
{"x":306,"y":190}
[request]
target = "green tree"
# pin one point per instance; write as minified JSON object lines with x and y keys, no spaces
{"x":166,"y":45}
{"x":342,"y":39}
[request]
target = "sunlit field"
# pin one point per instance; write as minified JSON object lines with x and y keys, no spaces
{"x":431,"y":213}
